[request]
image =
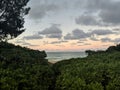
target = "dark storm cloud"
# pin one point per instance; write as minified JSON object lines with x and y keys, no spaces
{"x":32,"y":37}
{"x":52,"y":32}
{"x":76,"y":34}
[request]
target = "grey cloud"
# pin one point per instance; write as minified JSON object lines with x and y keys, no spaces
{"x":28,"y":44}
{"x":95,"y":5}
{"x":52,"y":32}
{"x":116,"y":29}
{"x":79,"y":34}
{"x":107,"y":12}
{"x":76,"y":34}
{"x":84,"y":44}
{"x":32,"y":37}
{"x":106,"y":40}
{"x":102,"y":32}
{"x":94,"y":39}
{"x":87,"y":20}
{"x":68,"y":37}
{"x":87,"y":43}
{"x":116,"y":41}
{"x":58,"y":42}
{"x":55,"y":42}
{"x":57,"y":35}
{"x":111,"y":13}
{"x":80,"y":42}
{"x":41,"y":10}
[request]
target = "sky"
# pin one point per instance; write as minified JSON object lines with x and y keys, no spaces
{"x":71,"y":25}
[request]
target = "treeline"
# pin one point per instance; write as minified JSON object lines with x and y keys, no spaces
{"x":17,"y":54}
{"x":100,"y":70}
{"x":26,"y":69}
{"x":109,"y":50}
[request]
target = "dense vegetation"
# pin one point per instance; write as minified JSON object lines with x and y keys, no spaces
{"x":12,"y":14}
{"x":99,"y":71}
{"x":23,"y":69}
{"x":26,"y":69}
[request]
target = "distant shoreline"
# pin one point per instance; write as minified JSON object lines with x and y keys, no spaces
{"x":53,"y":61}
{"x":54,"y":57}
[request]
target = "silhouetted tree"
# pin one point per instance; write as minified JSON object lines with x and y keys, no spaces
{"x":90,"y":52}
{"x":12,"y":14}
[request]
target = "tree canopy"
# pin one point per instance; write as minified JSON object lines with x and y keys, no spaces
{"x":26,"y":69}
{"x":12,"y":14}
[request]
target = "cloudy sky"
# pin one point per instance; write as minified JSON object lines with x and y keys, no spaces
{"x":71,"y":25}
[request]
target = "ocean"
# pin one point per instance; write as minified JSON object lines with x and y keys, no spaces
{"x":58,"y":56}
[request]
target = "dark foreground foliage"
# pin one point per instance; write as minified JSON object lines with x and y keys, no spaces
{"x":99,"y":71}
{"x":26,"y":69}
{"x":12,"y":14}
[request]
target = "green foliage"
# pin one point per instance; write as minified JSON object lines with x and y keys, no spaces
{"x":12,"y":14}
{"x":24,"y":69}
{"x":113,"y":48}
{"x":99,"y":71}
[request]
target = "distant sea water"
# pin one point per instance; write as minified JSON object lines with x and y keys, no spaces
{"x":58,"y":56}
